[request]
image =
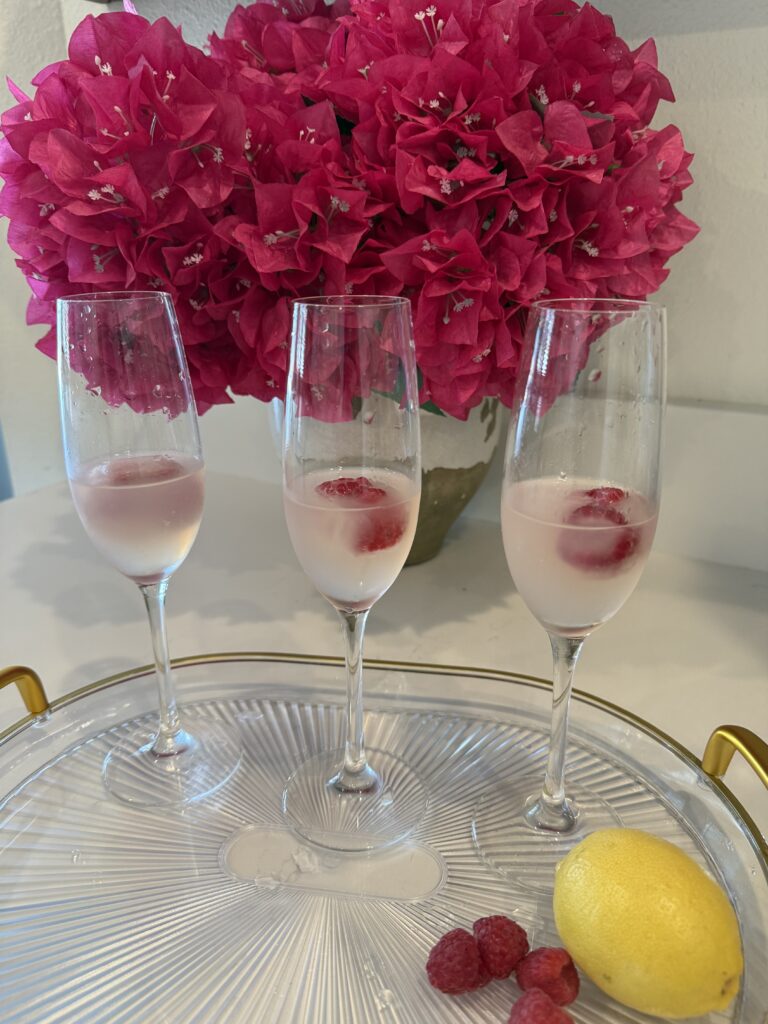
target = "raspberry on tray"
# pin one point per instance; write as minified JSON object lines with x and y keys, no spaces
{"x":502,"y":944}
{"x":552,"y":970}
{"x":535,"y":1007}
{"x":454,"y":964}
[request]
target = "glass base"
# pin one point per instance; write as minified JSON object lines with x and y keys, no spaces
{"x":525,"y":842}
{"x":134,"y":774}
{"x":385,"y":810}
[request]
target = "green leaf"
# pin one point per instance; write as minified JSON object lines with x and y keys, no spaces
{"x":427,"y":406}
{"x":396,"y":394}
{"x":537,"y":105}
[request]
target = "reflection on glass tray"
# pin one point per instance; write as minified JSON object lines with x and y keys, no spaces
{"x":112,"y":913}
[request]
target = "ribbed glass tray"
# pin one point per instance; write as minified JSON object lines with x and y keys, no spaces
{"x":111,"y":913}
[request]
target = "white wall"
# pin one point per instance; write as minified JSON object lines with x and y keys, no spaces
{"x":714,"y":53}
{"x":31,"y":36}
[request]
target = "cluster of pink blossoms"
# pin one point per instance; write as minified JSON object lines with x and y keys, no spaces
{"x":473,"y":155}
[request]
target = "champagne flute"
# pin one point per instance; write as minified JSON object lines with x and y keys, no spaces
{"x":351,"y":487}
{"x":135,"y":469}
{"x":579,"y":507}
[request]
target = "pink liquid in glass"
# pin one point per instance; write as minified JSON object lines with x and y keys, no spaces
{"x":575,"y":548}
{"x":142,"y":512}
{"x":352,"y":531}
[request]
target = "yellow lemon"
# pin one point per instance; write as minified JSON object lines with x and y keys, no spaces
{"x":647,"y":924}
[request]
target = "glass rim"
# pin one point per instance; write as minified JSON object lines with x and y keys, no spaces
{"x":354,"y":301}
{"x":115,"y":296}
{"x":575,"y":305}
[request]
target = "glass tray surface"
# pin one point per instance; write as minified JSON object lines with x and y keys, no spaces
{"x":112,"y":913}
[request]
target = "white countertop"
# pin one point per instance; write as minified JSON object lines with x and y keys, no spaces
{"x":688,"y":652}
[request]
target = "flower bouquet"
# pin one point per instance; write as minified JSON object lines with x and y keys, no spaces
{"x":472,"y":155}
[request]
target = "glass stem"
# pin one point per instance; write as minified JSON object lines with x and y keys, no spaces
{"x":354,"y":775}
{"x":553,"y":811}
{"x":170,"y":738}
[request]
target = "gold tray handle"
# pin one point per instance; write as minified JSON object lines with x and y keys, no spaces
{"x":725,"y":741}
{"x":30,"y":687}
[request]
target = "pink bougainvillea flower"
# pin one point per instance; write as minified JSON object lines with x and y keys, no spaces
{"x":474,"y":155}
